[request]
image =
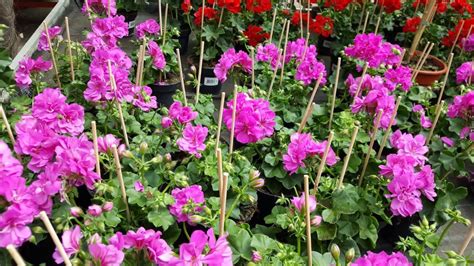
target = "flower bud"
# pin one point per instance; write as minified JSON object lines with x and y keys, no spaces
{"x":143,"y":147}
{"x":168,"y":157}
{"x":38,"y":230}
{"x":316,"y":220}
{"x":335,"y":252}
{"x":88,"y":222}
{"x":416,"y":229}
{"x":452,"y":262}
{"x":94,"y":210}
{"x":207,"y":210}
{"x":350,"y":254}
{"x":257,"y":183}
{"x":424,"y":221}
{"x":451,"y":254}
{"x":193,"y":69}
{"x":256,"y":257}
{"x":166,"y":122}
{"x":195,"y":219}
{"x":157,"y":159}
{"x":291,"y":227}
{"x":108,"y":206}
{"x":76,"y":211}
{"x":127,"y":154}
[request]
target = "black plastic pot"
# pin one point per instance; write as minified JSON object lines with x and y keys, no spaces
{"x":183,"y":38}
{"x":326,"y":53}
{"x":130,"y":17}
{"x":164,"y":93}
{"x":209,"y":82}
{"x":39,"y":253}
{"x":389,"y":235}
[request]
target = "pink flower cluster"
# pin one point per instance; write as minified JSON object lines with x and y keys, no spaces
{"x":100,"y":7}
{"x":371,"y":49}
{"x":302,"y":146}
{"x":424,"y":120}
{"x":193,"y":139}
{"x":157,"y":55}
{"x":463,"y":107}
{"x":149,"y":26}
{"x":268,"y":53}
{"x":373,"y":96}
{"x":187,"y":202}
{"x":308,"y":67}
{"x":180,"y":113}
{"x":106,"y":142}
{"x":53,"y":32}
{"x":24,"y":202}
{"x":230,"y":59}
{"x":465,"y":73}
{"x":29,"y":66}
{"x":382,"y":258}
{"x":410,"y":175}
{"x":254,"y":120}
{"x":71,"y":240}
{"x":398,"y":77}
{"x":468,"y":43}
{"x":105,"y":33}
{"x":299,"y":203}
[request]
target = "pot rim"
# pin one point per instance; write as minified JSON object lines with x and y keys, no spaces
{"x":438,"y":62}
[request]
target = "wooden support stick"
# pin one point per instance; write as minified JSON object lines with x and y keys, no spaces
{"x":334,"y":92}
{"x":118,"y":170}
{"x":232,"y":128}
{"x":467,"y":239}
{"x":252,"y":53}
{"x":457,"y":37}
{"x":371,"y":145}
{"x":108,"y":8}
{"x":348,"y":157}
{"x":273,"y":25}
{"x":96,"y":147}
{"x":166,"y":22}
{"x":69,"y":48}
{"x":223,"y":202}
{"x":142,"y":56}
{"x":119,"y":105}
{"x":323,"y":162}
{"x":15,"y":255}
{"x":7,"y":125}
{"x":53,"y":57}
{"x":423,"y":61}
{"x":219,"y":122}
{"x":160,"y":16}
{"x":359,"y":86}
{"x":219,"y":170}
{"x":420,"y":58}
{"x":361,"y":16}
{"x":306,"y":116}
{"x":181,"y":76}
{"x":445,"y":80}
{"x":274,"y":75}
{"x":435,"y":121}
{"x":139,"y":63}
{"x":301,"y":23}
{"x":389,"y":128}
{"x":309,"y":248}
{"x":49,"y":227}
{"x":310,"y":102}
{"x":284,"y":53}
{"x":403,"y":56}
{"x":467,"y":36}
{"x":377,"y":25}
{"x":198,"y":88}
{"x":282,"y":33}
{"x":365,"y":21}
{"x":424,"y":21}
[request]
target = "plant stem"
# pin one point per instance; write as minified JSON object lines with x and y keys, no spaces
{"x":185,"y":230}
{"x":234,"y":204}
{"x":443,"y":234}
{"x":298,"y":244}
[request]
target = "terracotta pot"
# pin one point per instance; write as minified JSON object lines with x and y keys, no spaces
{"x":428,"y":77}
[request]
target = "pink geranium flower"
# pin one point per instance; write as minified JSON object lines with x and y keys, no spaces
{"x":193,"y":139}
{"x":100,"y":7}
{"x":148,"y":27}
{"x":424,"y":120}
{"x":14,"y":226}
{"x":230,"y":59}
{"x":382,"y":258}
{"x":43,"y":44}
{"x":268,"y":53}
{"x":29,"y":66}
{"x":143,"y":99}
{"x":140,"y":239}
{"x":106,"y":255}
{"x":157,"y":55}
{"x":184,"y":114}
{"x":299,"y":203}
{"x":106,"y":142}
{"x":465,"y":72}
{"x":71,"y":240}
{"x":187,"y":201}
{"x":372,"y":49}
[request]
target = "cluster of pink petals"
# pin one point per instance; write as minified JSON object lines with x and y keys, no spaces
{"x":371,"y":49}
{"x":465,"y":73}
{"x":463,"y":107}
{"x":203,"y":249}
{"x":230,"y":59}
{"x":157,"y":55}
{"x":100,"y":7}
{"x":382,"y":258}
{"x":302,"y":146}
{"x":187,"y":202}
{"x":468,"y":43}
{"x":180,"y":113}
{"x":105,"y":33}
{"x":193,"y":139}
{"x":373,"y":96}
{"x":268,"y":53}
{"x":53,"y":32}
{"x":299,"y":203}
{"x":71,"y":240}
{"x":410,"y":176}
{"x":400,"y":76}
{"x":148,"y":27}
{"x":106,"y":142}
{"x":254,"y":119}
{"x":308,"y":67}
{"x":29,"y":66}
{"x":106,"y":254}
{"x":424,"y":120}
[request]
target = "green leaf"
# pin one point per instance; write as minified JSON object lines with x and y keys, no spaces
{"x":240,"y":242}
{"x":161,"y":218}
{"x":348,"y":228}
{"x":368,"y":228}
{"x":330,"y":216}
{"x":345,"y":201}
{"x":262,"y":242}
{"x":326,"y":231}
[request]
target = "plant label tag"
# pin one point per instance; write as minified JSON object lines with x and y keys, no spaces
{"x":211,"y":81}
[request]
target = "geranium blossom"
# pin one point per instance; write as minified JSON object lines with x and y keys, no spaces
{"x":254,"y":120}
{"x":140,"y":239}
{"x":424,"y":120}
{"x":390,"y":6}
{"x":299,"y":203}
{"x":29,"y":66}
{"x":71,"y":240}
{"x":230,"y":59}
{"x":468,"y":43}
{"x":183,"y":114}
{"x":232,"y":6}
{"x":53,"y":32}
{"x":268,"y":53}
{"x":148,"y":27}
{"x":459,"y":32}
{"x":156,"y":54}
{"x":106,"y":142}
{"x":187,"y":202}
{"x":193,"y":140}
{"x":411,"y":25}
{"x":209,"y":14}
{"x":100,"y":7}
{"x":258,"y":6}
{"x":308,"y":67}
{"x":14,"y":225}
{"x":373,"y":50}
{"x":462,"y":107}
{"x":465,"y":73}
{"x":107,"y":255}
{"x":255,"y":35}
{"x":338,"y":5}
{"x":322,"y":25}
{"x":382,"y":258}
{"x":143,"y":99}
{"x":398,"y":77}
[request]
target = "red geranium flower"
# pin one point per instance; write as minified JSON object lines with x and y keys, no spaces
{"x":449,"y":39}
{"x":295,"y":20}
{"x":255,"y":35}
{"x":209,"y":14}
{"x":411,"y":24}
{"x":232,"y":5}
{"x":258,"y":6}
{"x":322,"y":25}
{"x":338,"y":5}
{"x":186,"y":6}
{"x":390,"y":5}
{"x":442,"y":5}
{"x":461,"y":6}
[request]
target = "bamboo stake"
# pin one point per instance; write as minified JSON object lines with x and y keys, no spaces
{"x":47,"y":223}
{"x":53,"y":57}
{"x":420,"y":58}
{"x":252,"y":52}
{"x":223,"y":201}
{"x":348,"y":157}
{"x":166,"y":22}
{"x":274,"y":75}
{"x":309,"y":248}
{"x":181,"y":76}
{"x":232,"y":128}
{"x":96,"y":147}
{"x":423,"y":61}
{"x":417,"y":5}
{"x":68,"y":36}
{"x":198,"y":88}
{"x":142,"y":66}
{"x":160,"y":16}
{"x":403,"y":56}
{"x":377,"y":25}
{"x":219,"y":122}
{"x":301,"y":23}
{"x":435,"y":121}
{"x":282,"y":33}
{"x":371,"y":145}
{"x":273,"y":25}
{"x":118,"y":170}
{"x":389,"y":128}
{"x":457,"y":37}
{"x":15,"y":255}
{"x":467,"y":36}
{"x":108,"y":8}
{"x":305,"y":117}
{"x":7,"y":125}
{"x":445,"y":80}
{"x":365,"y":22}
{"x":284,"y":53}
{"x":220,"y":18}
{"x":424,"y":21}
{"x":361,"y":15}
{"x":139,"y":63}
{"x":88,"y":12}
{"x":219,"y":170}
{"x":359,"y":86}
{"x":334,"y":91}
{"x":310,"y":102}
{"x":323,"y":161}
{"x":119,"y":105}
{"x":467,"y":239}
